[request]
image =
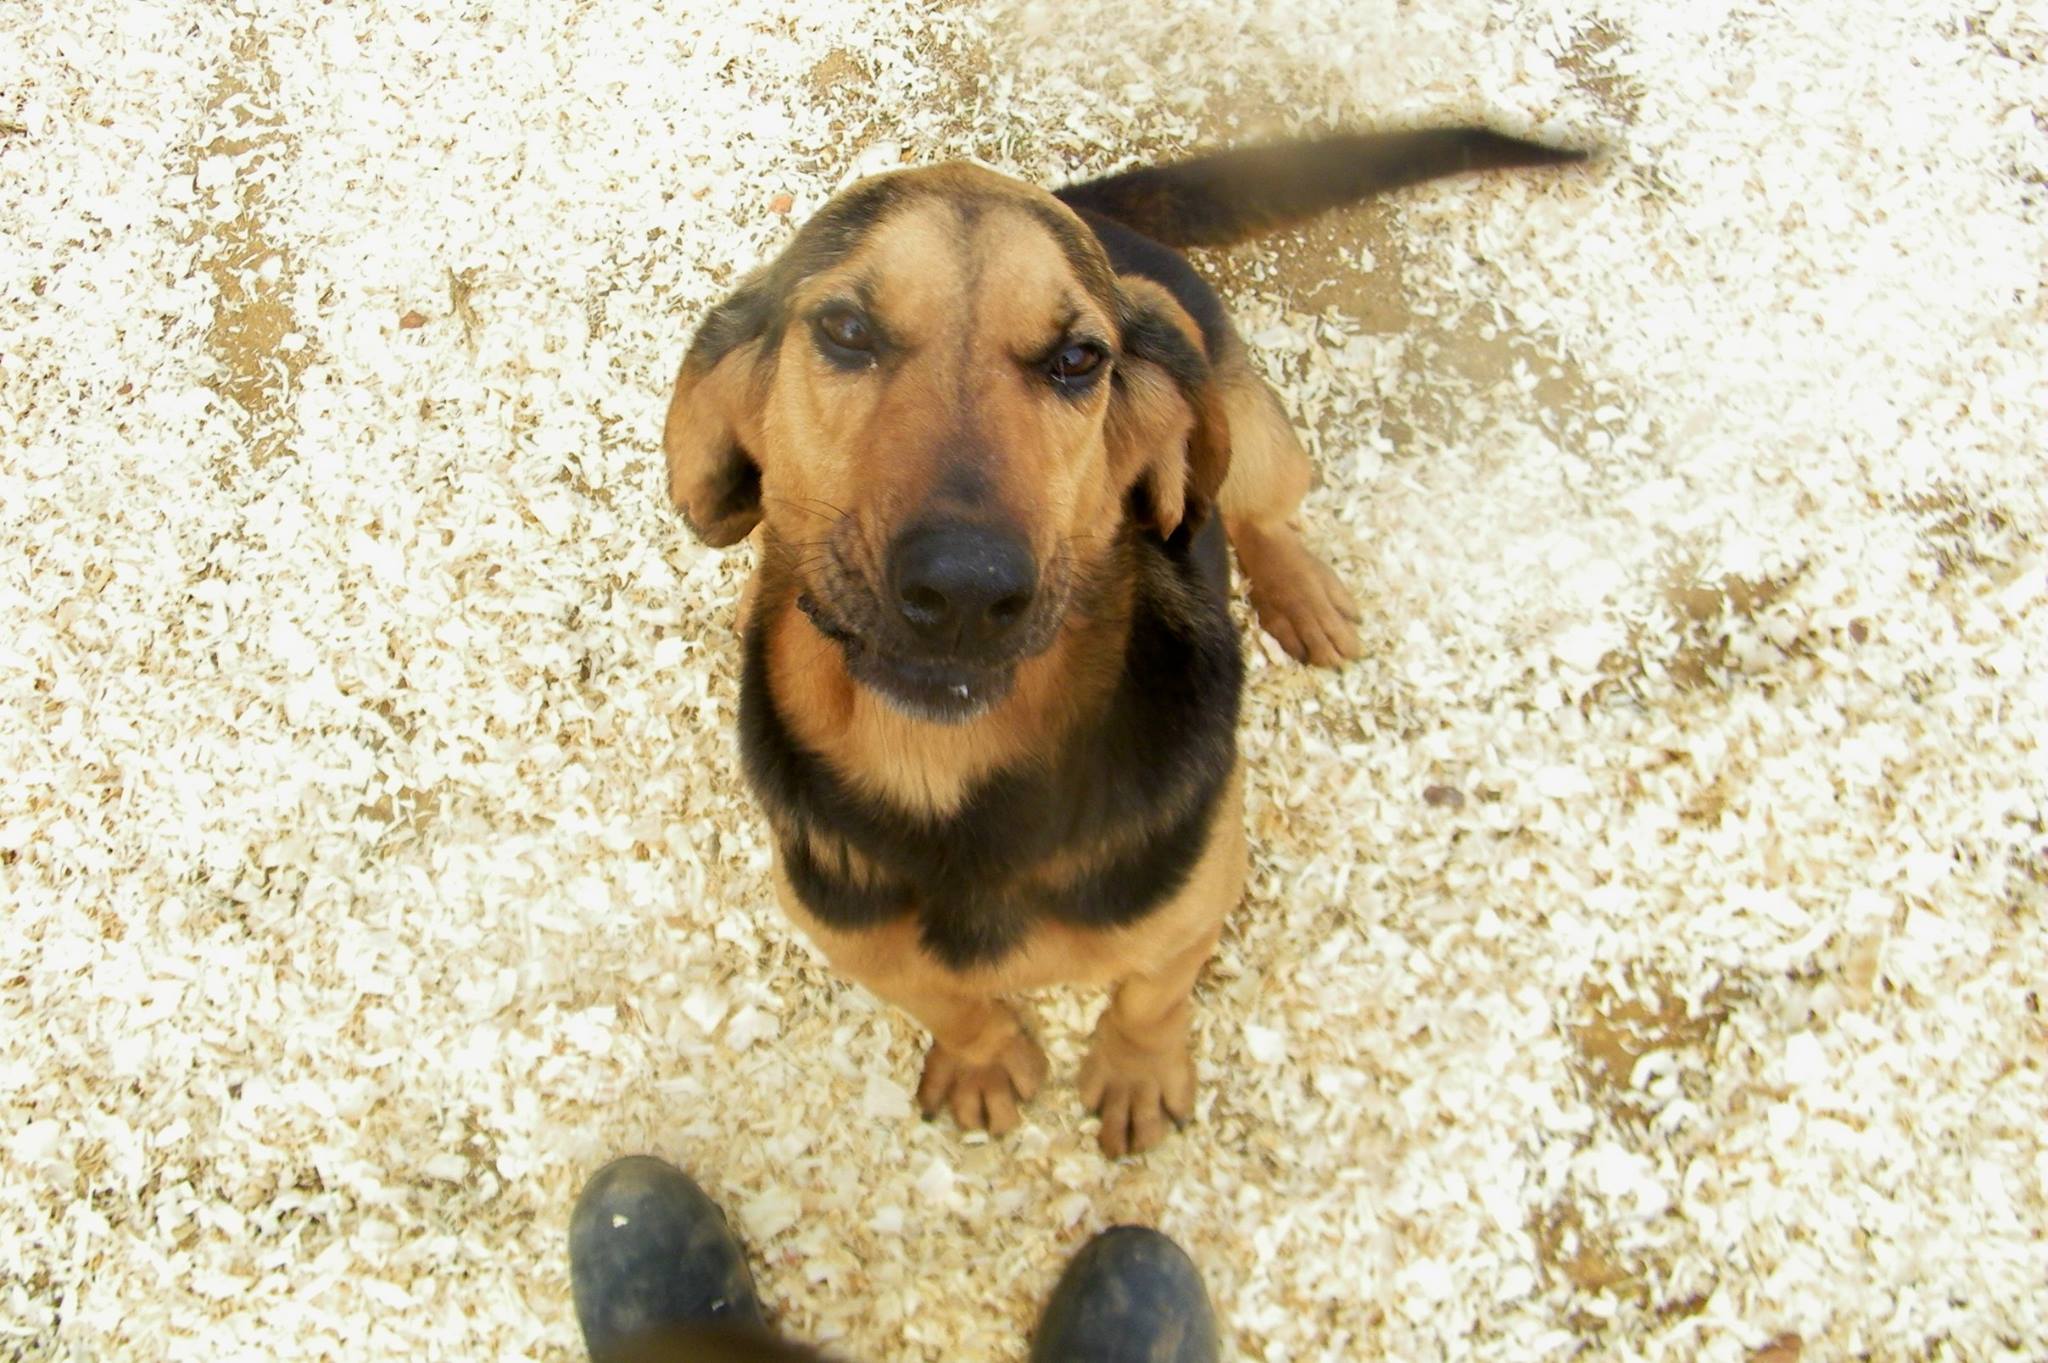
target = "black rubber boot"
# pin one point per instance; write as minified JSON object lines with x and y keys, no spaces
{"x":1130,"y":1296}
{"x":649,"y":1255}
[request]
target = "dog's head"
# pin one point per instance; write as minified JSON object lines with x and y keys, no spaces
{"x":944,"y":406}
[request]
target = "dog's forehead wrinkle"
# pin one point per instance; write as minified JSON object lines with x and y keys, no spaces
{"x":837,"y":231}
{"x":976,"y":260}
{"x":920,"y":212}
{"x":919,"y":268}
{"x":1031,"y":295}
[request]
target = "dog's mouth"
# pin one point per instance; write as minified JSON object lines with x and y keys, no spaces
{"x":939,"y":690}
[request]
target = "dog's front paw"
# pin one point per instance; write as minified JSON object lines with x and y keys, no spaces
{"x":982,"y":1096}
{"x":1137,"y":1091}
{"x":1299,"y":599}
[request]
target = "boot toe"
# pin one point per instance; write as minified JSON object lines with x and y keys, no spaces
{"x":1130,"y":1296}
{"x":650,"y":1252}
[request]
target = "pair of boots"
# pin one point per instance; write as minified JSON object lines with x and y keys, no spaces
{"x":659,"y":1279}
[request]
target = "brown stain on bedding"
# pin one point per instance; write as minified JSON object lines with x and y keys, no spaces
{"x":1323,"y":264}
{"x":1615,"y":1030}
{"x":1612,"y":1030}
{"x":258,"y":369}
{"x":838,"y":73}
{"x":1570,"y":1252}
{"x":1709,"y":615}
{"x":1596,"y":63}
{"x":1697,"y":653}
{"x":1965,"y":537}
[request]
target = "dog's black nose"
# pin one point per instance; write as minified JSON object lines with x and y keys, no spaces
{"x":962,"y":587}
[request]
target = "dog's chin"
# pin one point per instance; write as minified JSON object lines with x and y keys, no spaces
{"x":936,"y":690}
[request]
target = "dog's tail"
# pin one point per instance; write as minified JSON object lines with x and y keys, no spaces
{"x":1227,"y":196}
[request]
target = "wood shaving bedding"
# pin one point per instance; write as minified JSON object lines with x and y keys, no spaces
{"x":1644,"y":951}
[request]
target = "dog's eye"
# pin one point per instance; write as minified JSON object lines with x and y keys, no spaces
{"x":845,"y":336}
{"x":1076,"y":365}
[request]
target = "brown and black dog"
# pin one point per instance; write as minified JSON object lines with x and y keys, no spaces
{"x":988,"y":441}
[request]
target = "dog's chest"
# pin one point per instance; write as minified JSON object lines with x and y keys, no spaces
{"x":1097,"y":838}
{"x":1014,"y":859}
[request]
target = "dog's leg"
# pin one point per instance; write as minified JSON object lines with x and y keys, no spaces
{"x":982,"y":1063}
{"x":1299,"y":600}
{"x":1139,"y":1074}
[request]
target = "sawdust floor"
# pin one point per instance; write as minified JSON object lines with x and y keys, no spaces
{"x":1644,"y":952}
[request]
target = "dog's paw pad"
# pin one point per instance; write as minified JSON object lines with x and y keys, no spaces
{"x":1141,"y":1095}
{"x":982,"y":1096}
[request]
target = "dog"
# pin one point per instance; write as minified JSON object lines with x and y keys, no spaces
{"x":989,"y":442}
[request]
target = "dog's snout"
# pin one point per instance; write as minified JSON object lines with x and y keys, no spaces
{"x":962,"y":588}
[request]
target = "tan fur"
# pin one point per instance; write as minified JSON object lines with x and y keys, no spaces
{"x":1181,"y":445}
{"x":1300,"y":602}
{"x":709,"y":412}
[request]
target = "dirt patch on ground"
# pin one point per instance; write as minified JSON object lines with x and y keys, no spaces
{"x":1599,"y":64}
{"x":254,"y":335}
{"x":1709,"y":614}
{"x":1616,"y":1030}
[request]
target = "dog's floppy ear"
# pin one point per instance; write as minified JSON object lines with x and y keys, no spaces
{"x":714,"y":419}
{"x":1169,"y":440}
{"x":713,"y":433}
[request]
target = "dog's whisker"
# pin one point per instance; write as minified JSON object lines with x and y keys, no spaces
{"x":809,"y":505}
